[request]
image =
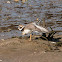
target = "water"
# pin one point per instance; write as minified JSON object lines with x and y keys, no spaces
{"x":18,"y":13}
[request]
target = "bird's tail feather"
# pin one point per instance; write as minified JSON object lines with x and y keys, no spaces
{"x":41,"y":28}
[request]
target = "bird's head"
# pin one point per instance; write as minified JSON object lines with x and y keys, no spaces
{"x":21,"y":27}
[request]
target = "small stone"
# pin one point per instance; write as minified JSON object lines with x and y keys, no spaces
{"x":34,"y":52}
{"x":16,"y":0}
{"x":53,"y":42}
{"x":23,"y":1}
{"x":36,"y":49}
{"x":9,"y":30}
{"x":8,"y":1}
{"x":30,"y":5}
{"x":0,"y":60}
{"x":43,"y":52}
{"x":37,"y":19}
{"x":2,"y":39}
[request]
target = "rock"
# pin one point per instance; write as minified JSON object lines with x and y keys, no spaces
{"x":34,"y":52}
{"x":0,"y":60}
{"x":2,"y":39}
{"x":23,"y":1}
{"x":8,"y":2}
{"x":16,"y":0}
{"x":9,"y":30}
{"x":53,"y":42}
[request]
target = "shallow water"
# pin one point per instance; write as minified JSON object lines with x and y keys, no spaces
{"x":18,"y":13}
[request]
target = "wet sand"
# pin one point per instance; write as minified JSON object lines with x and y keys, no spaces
{"x":23,"y":50}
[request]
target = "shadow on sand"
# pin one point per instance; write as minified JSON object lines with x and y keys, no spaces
{"x":50,"y":38}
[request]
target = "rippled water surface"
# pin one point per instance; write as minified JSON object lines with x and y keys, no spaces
{"x":14,"y":13}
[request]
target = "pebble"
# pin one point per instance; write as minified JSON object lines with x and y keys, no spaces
{"x":43,"y":52}
{"x":8,"y":2}
{"x":0,"y":60}
{"x":53,"y":42}
{"x":34,"y":52}
{"x":23,"y":1}
{"x":30,"y":5}
{"x":16,"y":0}
{"x":9,"y":29}
{"x":36,"y":49}
{"x":37,"y":19}
{"x":2,"y":39}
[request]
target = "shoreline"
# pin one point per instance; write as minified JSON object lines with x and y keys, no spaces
{"x":23,"y":50}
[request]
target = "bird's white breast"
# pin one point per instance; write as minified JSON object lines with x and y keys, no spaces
{"x":26,"y":31}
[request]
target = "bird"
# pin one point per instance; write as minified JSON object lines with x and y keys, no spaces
{"x":32,"y":27}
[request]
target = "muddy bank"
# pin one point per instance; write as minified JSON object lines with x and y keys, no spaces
{"x":23,"y":50}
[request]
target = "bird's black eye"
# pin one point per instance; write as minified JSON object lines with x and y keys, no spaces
{"x":20,"y":27}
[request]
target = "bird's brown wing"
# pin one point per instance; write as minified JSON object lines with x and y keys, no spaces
{"x":32,"y":27}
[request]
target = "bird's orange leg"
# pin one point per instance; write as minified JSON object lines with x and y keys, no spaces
{"x":30,"y":36}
